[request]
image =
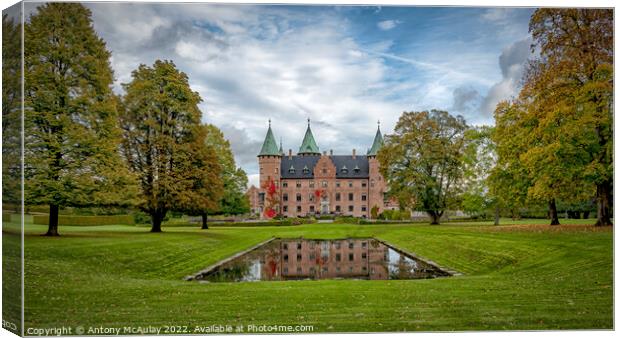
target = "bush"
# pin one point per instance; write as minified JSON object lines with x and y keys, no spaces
{"x":140,"y":217}
{"x":395,"y":215}
{"x":85,"y":220}
{"x":272,"y":223}
{"x":347,"y":220}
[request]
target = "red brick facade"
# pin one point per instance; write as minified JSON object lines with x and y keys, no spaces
{"x":313,"y":184}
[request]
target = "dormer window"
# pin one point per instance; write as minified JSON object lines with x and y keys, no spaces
{"x":306,"y":170}
{"x":356,"y":169}
{"x":291,"y":170}
{"x":344,"y":169}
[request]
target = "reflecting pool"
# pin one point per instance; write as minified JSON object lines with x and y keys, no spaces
{"x":298,"y":259}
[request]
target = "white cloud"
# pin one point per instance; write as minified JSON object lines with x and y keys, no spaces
{"x":386,"y":25}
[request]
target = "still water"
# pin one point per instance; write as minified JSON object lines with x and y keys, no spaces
{"x":298,"y":259}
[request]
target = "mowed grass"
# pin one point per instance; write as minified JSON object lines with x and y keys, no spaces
{"x":517,"y":277}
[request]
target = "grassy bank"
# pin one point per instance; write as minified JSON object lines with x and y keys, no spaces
{"x":515,"y":277}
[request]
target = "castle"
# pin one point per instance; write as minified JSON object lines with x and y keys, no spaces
{"x":315,"y":183}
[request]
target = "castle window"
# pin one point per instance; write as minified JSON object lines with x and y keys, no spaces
{"x":356,"y":169}
{"x":298,"y":197}
{"x":285,"y":208}
{"x":275,"y":170}
{"x":350,"y":208}
{"x":299,"y":208}
{"x":350,"y":184}
{"x":291,"y":170}
{"x":261,"y":170}
{"x":324,"y":184}
{"x":364,"y":184}
{"x":285,"y":197}
{"x":337,"y":208}
{"x":350,"y":196}
{"x":298,"y":184}
{"x":312,"y":208}
{"x":344,"y":169}
{"x":337,"y":184}
{"x":324,"y":171}
{"x":284,"y":184}
{"x":372,"y":183}
{"x":311,"y":197}
{"x":311,"y":184}
{"x":363,"y":208}
{"x":306,"y":170}
{"x":337,"y":196}
{"x":363,"y":197}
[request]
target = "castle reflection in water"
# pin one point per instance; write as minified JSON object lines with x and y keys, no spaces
{"x":296,"y":259}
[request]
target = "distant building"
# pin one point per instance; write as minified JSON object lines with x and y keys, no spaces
{"x":313,"y":183}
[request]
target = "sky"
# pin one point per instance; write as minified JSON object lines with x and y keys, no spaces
{"x":343,"y":67}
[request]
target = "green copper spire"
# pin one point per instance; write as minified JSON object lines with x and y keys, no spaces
{"x":308,"y":145}
{"x":377,"y":143}
{"x":281,"y":150}
{"x":270,"y":147}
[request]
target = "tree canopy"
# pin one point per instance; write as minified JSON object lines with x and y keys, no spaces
{"x":423,"y":161}
{"x":71,"y":126}
{"x":234,"y":179}
{"x":164,"y":143}
{"x":555,"y":138}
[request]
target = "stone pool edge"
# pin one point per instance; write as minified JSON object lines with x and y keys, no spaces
{"x":452,"y":273}
{"x":226,"y":260}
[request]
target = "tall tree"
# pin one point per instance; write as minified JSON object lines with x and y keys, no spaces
{"x":568,"y":94}
{"x":479,"y":158}
{"x":164,"y":143}
{"x":422,"y":161}
{"x":71,"y":125}
{"x":204,"y":167}
{"x":233,"y":200}
{"x":11,"y":111}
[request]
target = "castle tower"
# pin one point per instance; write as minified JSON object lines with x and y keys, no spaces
{"x":308,"y":145}
{"x":269,"y":159}
{"x":376,"y":182}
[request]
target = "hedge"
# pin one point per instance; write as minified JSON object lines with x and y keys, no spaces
{"x":85,"y":220}
{"x":284,"y":222}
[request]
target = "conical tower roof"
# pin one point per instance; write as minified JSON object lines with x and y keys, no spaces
{"x":308,"y":145}
{"x":270,"y":147}
{"x":377,"y":143}
{"x":281,"y":151}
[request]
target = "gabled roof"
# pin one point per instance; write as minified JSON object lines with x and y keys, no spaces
{"x":308,"y":145}
{"x":270,"y":147}
{"x":376,"y":144}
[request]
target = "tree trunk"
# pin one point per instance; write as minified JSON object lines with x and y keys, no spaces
{"x":204,"y":221}
{"x":435,"y":216}
{"x":156,"y":219}
{"x":603,"y":204}
{"x":553,"y":213}
{"x":496,"y":222}
{"x":52,"y":229}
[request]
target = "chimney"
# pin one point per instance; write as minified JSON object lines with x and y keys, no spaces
{"x":331,"y":152}
{"x":290,"y":154}
{"x":353,"y":153}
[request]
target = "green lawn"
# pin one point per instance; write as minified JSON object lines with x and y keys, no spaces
{"x":515,"y":278}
